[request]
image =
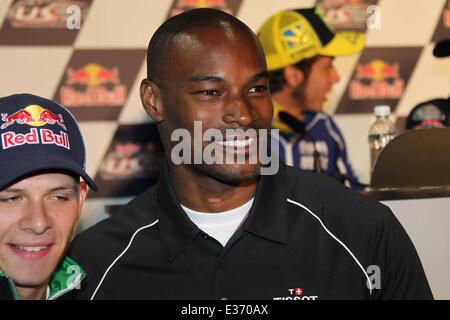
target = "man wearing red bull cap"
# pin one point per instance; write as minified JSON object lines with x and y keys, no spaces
{"x":42,"y":157}
{"x":300,"y":47}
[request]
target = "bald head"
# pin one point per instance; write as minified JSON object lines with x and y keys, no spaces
{"x":207,"y":67}
{"x":180,"y":25}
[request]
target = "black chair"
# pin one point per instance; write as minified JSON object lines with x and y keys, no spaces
{"x":415,"y":164}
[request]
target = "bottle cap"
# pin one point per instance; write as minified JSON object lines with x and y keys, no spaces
{"x":382,"y":110}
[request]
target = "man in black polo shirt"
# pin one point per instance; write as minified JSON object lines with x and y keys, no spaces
{"x":215,"y":230}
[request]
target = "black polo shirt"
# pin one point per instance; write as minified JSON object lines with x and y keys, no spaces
{"x":306,"y":237}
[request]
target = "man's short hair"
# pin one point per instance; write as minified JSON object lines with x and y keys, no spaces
{"x":157,"y":51}
{"x":277,"y":79}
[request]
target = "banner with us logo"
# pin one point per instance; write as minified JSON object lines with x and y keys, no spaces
{"x":131,"y":163}
{"x":43,"y":22}
{"x":346,"y":15}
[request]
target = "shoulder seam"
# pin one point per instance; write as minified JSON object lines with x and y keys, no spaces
{"x":334,"y":134}
{"x":121,"y":254}
{"x":335,"y":238}
{"x":317,"y":117}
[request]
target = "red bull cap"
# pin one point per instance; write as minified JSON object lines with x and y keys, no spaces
{"x":434,"y":113}
{"x":37,"y":134}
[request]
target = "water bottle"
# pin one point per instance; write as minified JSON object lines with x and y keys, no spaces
{"x":381,"y":132}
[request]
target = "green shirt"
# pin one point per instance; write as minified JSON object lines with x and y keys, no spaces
{"x":67,"y":276}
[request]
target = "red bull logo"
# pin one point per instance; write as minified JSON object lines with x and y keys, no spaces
{"x":44,"y":136}
{"x":201,"y":3}
{"x":100,"y":86}
{"x":377,"y":70}
{"x":429,"y":124}
{"x":384,"y":81}
{"x":32,"y":115}
{"x":184,"y":5}
{"x":93,"y":75}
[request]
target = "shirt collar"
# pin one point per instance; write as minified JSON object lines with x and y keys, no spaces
{"x":177,"y":230}
{"x":267,"y":217}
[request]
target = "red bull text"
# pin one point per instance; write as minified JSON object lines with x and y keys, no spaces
{"x":35,"y":136}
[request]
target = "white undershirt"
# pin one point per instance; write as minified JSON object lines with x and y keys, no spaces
{"x":221,"y":225}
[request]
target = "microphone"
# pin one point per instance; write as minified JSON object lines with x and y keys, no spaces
{"x":299,"y":127}
{"x":292,"y":122}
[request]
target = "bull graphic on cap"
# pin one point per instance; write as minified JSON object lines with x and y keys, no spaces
{"x":33,"y":115}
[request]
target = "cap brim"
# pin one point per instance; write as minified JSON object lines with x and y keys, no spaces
{"x":41,"y":162}
{"x":344,"y":43}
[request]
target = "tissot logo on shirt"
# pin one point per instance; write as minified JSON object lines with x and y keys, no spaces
{"x":297,"y":294}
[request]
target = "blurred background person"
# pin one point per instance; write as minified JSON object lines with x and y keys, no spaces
{"x":434,"y":113}
{"x":300,"y":48}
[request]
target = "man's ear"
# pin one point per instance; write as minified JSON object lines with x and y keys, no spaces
{"x":151,"y":100}
{"x":82,"y":193}
{"x":293,"y":76}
